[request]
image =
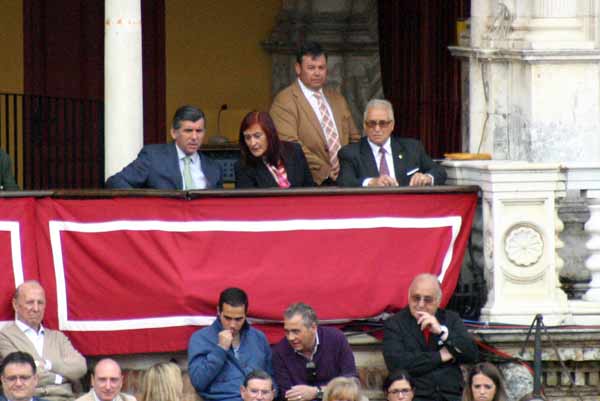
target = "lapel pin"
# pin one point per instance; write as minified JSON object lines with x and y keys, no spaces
{"x":400,"y":156}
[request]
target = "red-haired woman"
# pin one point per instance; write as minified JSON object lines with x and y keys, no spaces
{"x":266,"y":161}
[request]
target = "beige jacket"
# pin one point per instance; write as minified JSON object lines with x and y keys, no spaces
{"x":66,"y":361}
{"x":296,"y":121}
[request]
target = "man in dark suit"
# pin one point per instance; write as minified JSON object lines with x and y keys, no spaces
{"x":173,"y":166}
{"x":381,"y":160}
{"x":316,"y":117}
{"x":19,"y":377}
{"x":428,"y":342}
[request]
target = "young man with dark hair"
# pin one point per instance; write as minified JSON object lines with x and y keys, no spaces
{"x":221,"y":355}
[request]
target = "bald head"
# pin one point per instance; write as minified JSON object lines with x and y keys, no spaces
{"x":29,"y":303}
{"x":107,"y":379}
{"x":424,"y":294}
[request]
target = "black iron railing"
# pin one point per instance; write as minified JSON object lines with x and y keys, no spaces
{"x":54,"y":142}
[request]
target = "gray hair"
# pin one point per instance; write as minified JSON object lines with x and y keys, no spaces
{"x":309,"y":316}
{"x":379,"y":104}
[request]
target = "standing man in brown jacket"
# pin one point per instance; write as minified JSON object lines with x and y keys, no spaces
{"x":316,"y":117}
{"x":59,"y":365}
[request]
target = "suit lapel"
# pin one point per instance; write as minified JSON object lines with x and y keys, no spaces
{"x":29,"y":348}
{"x":336,"y":113}
{"x":307,"y":109}
{"x":264,"y":175}
{"x":398,"y":156}
{"x":366,"y":154}
{"x":173,"y":166}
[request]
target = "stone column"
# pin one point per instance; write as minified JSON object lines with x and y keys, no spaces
{"x":534,"y":80}
{"x":123,"y":96}
{"x":519,"y":238}
{"x":592,"y":227}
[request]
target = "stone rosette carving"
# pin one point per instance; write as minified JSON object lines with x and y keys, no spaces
{"x":523,"y":245}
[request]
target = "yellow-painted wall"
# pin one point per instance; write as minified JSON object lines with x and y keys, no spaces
{"x":11,"y":46}
{"x":213,"y":56}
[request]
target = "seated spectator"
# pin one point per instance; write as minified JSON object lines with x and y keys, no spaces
{"x":484,"y":383}
{"x":309,"y":356}
{"x":221,"y":355}
{"x":382,"y":160}
{"x":258,"y":386}
{"x":399,"y":386}
{"x":7,"y":179}
{"x":343,"y":389}
{"x":19,"y":377}
{"x":429,"y":342}
{"x":106,"y":381}
{"x":162,"y":382}
{"x":172,"y":166}
{"x":265,"y":160}
{"x":59,"y":364}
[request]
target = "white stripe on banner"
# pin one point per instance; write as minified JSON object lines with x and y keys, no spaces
{"x":56,"y":227}
{"x":17,"y":261}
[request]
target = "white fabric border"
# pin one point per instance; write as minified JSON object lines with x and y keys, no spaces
{"x":17,"y":261}
{"x":57,"y":226}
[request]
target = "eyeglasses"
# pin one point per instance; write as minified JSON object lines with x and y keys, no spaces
{"x":400,"y":391}
{"x":427,"y":299}
{"x":12,"y":379}
{"x":375,"y":123}
{"x":311,"y":372}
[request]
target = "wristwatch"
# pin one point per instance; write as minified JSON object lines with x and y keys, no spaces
{"x":319,"y":393}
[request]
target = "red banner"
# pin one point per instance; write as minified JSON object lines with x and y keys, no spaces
{"x":133,"y":275}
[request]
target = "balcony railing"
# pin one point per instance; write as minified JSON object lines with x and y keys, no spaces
{"x":53,"y":142}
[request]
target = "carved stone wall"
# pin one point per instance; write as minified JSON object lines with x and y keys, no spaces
{"x":347,"y":29}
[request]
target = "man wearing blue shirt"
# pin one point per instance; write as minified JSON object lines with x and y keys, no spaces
{"x":221,"y":355}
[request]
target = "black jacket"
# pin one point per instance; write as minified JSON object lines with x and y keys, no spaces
{"x":404,"y":348}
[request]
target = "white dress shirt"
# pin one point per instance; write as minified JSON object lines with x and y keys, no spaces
{"x":309,"y":94}
{"x":388,"y":159}
{"x":37,"y":338}
{"x":198,"y":176}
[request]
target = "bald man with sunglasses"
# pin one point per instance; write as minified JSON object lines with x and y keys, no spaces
{"x":380,"y":160}
{"x":428,"y":342}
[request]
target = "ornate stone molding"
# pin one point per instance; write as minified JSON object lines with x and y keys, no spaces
{"x":348,"y":32}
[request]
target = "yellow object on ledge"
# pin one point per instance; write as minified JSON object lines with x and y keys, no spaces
{"x":468,"y":156}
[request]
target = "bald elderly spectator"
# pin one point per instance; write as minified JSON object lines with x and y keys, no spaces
{"x":429,"y":342}
{"x":59,"y":365}
{"x":106,"y":381}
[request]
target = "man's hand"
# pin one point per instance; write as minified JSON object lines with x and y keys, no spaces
{"x":383,"y":181}
{"x":426,"y":320}
{"x":301,"y":392}
{"x":333,"y":174}
{"x":225,"y":339}
{"x":446,"y":355}
{"x":420,"y":180}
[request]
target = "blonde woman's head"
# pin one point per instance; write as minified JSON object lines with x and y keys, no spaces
{"x":342,"y":389}
{"x":162,"y":382}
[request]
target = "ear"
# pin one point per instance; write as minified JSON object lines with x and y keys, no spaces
{"x":173,"y":133}
{"x":14,"y":305}
{"x":298,"y":68}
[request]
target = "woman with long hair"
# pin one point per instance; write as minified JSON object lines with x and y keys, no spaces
{"x":484,"y":383}
{"x":162,"y":382}
{"x":265,"y":160}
